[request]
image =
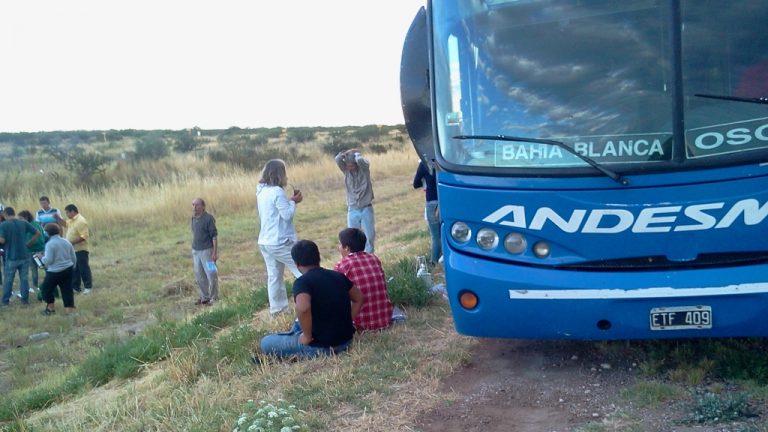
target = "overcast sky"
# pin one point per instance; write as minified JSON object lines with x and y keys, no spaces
{"x":175,"y":64}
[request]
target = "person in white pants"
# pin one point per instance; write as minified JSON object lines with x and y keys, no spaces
{"x":277,"y":234}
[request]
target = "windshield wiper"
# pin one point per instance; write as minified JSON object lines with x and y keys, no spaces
{"x":612,"y":175}
{"x":761,"y":100}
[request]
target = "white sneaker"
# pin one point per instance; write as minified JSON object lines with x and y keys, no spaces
{"x":86,"y":291}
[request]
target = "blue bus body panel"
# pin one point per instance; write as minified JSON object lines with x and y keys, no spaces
{"x":675,"y":218}
{"x":498,"y":314}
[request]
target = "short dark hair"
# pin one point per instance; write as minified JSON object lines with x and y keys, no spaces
{"x":9,"y":211}
{"x":71,"y":207}
{"x":26,"y":215}
{"x":305,"y":253}
{"x":44,"y":198}
{"x":52,"y":229}
{"x":353,"y":238}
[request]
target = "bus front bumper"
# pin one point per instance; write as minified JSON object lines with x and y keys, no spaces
{"x":540,"y":303}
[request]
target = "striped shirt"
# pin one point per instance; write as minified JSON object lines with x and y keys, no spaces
{"x":365,"y":271}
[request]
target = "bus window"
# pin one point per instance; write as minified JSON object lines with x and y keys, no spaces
{"x":725,"y":79}
{"x":593,"y":75}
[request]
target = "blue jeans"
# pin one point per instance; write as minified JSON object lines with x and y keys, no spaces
{"x":287,"y":344}
{"x":362,"y":218}
{"x":9,"y":271}
{"x":433,"y":222}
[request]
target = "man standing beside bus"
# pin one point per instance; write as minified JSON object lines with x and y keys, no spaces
{"x":357,"y":180}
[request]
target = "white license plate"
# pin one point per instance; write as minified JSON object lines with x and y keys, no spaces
{"x":681,"y":318}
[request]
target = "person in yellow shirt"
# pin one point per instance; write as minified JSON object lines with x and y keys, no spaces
{"x":77,"y":234}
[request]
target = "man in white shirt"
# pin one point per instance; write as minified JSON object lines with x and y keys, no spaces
{"x":277,"y":234}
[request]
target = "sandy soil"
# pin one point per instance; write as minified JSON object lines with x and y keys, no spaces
{"x":535,"y":386}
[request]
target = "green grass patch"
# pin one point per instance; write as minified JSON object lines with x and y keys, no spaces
{"x":404,"y":288}
{"x":412,"y":235}
{"x":126,"y":358}
{"x":651,"y":394}
{"x":732,"y":358}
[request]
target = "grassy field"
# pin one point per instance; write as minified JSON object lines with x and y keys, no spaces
{"x":137,"y":355}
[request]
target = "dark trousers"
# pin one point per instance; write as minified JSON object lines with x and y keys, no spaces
{"x":63,"y":280}
{"x":82,"y":271}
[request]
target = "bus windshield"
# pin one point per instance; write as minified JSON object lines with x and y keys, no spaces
{"x":602,"y":78}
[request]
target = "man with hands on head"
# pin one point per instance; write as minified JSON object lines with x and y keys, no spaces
{"x":357,"y":180}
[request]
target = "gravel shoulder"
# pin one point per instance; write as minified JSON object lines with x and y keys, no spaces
{"x":556,"y":386}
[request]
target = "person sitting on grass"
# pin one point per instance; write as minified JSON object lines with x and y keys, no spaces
{"x":365,"y":271}
{"x":59,"y":259}
{"x":326,"y":303}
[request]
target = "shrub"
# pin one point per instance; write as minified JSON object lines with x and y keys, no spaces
{"x":404,"y":287}
{"x":338,"y":145}
{"x":151,"y":147}
{"x":367,"y":133}
{"x":711,"y":408}
{"x":300,"y":135}
{"x":186,"y":143}
{"x":86,"y":164}
{"x":378,"y":148}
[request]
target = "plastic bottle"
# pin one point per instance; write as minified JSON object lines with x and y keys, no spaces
{"x":38,"y":336}
{"x":423,"y":273}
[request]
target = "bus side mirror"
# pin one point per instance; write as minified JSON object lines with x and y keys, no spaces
{"x":415,"y":94}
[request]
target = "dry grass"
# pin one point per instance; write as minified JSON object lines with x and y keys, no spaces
{"x":142,"y":275}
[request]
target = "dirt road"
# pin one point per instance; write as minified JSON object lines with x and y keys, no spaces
{"x":536,"y":386}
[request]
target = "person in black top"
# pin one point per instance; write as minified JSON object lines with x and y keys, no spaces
{"x":425,"y":178}
{"x":326,"y":302}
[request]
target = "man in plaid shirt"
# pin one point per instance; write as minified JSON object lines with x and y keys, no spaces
{"x":365,"y":272}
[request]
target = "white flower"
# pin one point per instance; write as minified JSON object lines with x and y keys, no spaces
{"x":241,"y":420}
{"x":285,"y":429}
{"x":272,"y":414}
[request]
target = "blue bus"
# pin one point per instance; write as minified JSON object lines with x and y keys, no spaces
{"x":602,"y":165}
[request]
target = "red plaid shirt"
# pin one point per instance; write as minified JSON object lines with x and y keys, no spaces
{"x":364,"y":270}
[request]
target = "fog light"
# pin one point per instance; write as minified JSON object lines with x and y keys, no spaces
{"x":515,"y":243}
{"x":461,"y":232}
{"x":468,"y":300}
{"x":487,"y":239}
{"x":541,"y":249}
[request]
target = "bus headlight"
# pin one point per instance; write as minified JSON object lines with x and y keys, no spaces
{"x":541,"y":249}
{"x":515,"y":243}
{"x":461,"y":232}
{"x":487,"y":239}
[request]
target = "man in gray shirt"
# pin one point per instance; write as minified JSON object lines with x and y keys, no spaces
{"x":205,"y":252}
{"x":357,"y":179}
